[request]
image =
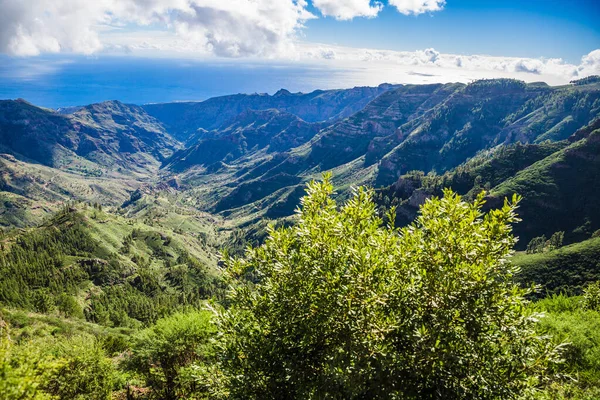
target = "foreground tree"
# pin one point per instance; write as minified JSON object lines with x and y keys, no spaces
{"x":348,"y":308}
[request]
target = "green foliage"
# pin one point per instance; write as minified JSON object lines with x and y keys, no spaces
{"x":43,"y":302}
{"x":68,"y":306}
{"x":556,"y":240}
{"x":38,"y":258}
{"x":487,"y":169}
{"x":580,"y":329}
{"x":19,"y":370}
{"x":73,"y":368}
{"x":567,"y":319}
{"x":536,"y":245}
{"x":79,"y":370}
{"x":591,"y":296}
{"x":540,"y":244}
{"x":348,"y":308}
{"x":164,"y":353}
{"x":586,"y":81}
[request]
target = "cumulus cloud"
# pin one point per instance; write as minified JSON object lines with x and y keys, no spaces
{"x":229,"y":28}
{"x":416,"y":7}
{"x":225,"y":27}
{"x":348,"y":9}
{"x":590,"y":64}
{"x":529,"y":66}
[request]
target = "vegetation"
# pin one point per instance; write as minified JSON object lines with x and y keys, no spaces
{"x":50,"y":368}
{"x":569,"y":321}
{"x":164,"y":353}
{"x":340,"y":304}
{"x":345,"y":307}
{"x":566,"y":270}
{"x":62,"y":267}
{"x":111,"y":285}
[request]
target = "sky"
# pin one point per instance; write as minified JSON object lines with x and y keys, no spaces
{"x":69,"y":52}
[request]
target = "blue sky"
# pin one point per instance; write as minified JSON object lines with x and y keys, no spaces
{"x":564,"y":29}
{"x":65,"y":52}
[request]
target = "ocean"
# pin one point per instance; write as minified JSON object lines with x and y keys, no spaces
{"x":61,"y":81}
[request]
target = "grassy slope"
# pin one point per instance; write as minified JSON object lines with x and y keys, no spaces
{"x":567,"y":269}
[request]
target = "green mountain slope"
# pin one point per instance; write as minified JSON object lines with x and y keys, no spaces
{"x":184,"y":119}
{"x":110,"y":135}
{"x":251,"y":131}
{"x":566,"y":270}
{"x":561,"y":192}
{"x":413,"y":127}
{"x":117,"y":271}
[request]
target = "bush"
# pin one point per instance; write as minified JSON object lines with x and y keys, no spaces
{"x":80,"y":370}
{"x":58,"y":369}
{"x":68,"y":306}
{"x":348,"y":308}
{"x":19,"y":370}
{"x":164,"y":353}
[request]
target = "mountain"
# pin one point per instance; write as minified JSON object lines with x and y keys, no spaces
{"x":412,"y":127}
{"x":560,"y":191}
{"x":183,"y":119}
{"x":248,"y":157}
{"x":108,"y":136}
{"x":437,"y":127}
{"x":249,"y":132}
{"x":557,"y":181}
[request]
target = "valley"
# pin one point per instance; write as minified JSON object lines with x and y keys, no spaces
{"x":116,"y":217}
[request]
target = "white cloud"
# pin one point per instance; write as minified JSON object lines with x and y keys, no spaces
{"x":430,"y":65}
{"x":226,"y":27}
{"x":247,"y":28}
{"x":348,"y":9}
{"x":416,"y":7}
{"x":590,"y":64}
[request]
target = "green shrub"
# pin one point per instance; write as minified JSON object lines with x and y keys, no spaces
{"x":20,"y":370}
{"x":68,"y":306}
{"x":165,"y":352}
{"x":558,"y":303}
{"x":347,"y":308}
{"x":54,"y":368}
{"x":80,"y":370}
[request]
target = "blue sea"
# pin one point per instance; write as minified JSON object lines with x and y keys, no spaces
{"x":61,"y":81}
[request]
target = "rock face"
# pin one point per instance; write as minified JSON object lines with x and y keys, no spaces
{"x":184,"y":119}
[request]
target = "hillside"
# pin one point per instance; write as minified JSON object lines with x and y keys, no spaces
{"x":560,"y":192}
{"x":546,"y":175}
{"x":248,"y":156}
{"x":121,"y":271}
{"x":110,"y":137}
{"x":414,"y":127}
{"x":184,"y":119}
{"x":565,"y":270}
{"x":249,"y":132}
